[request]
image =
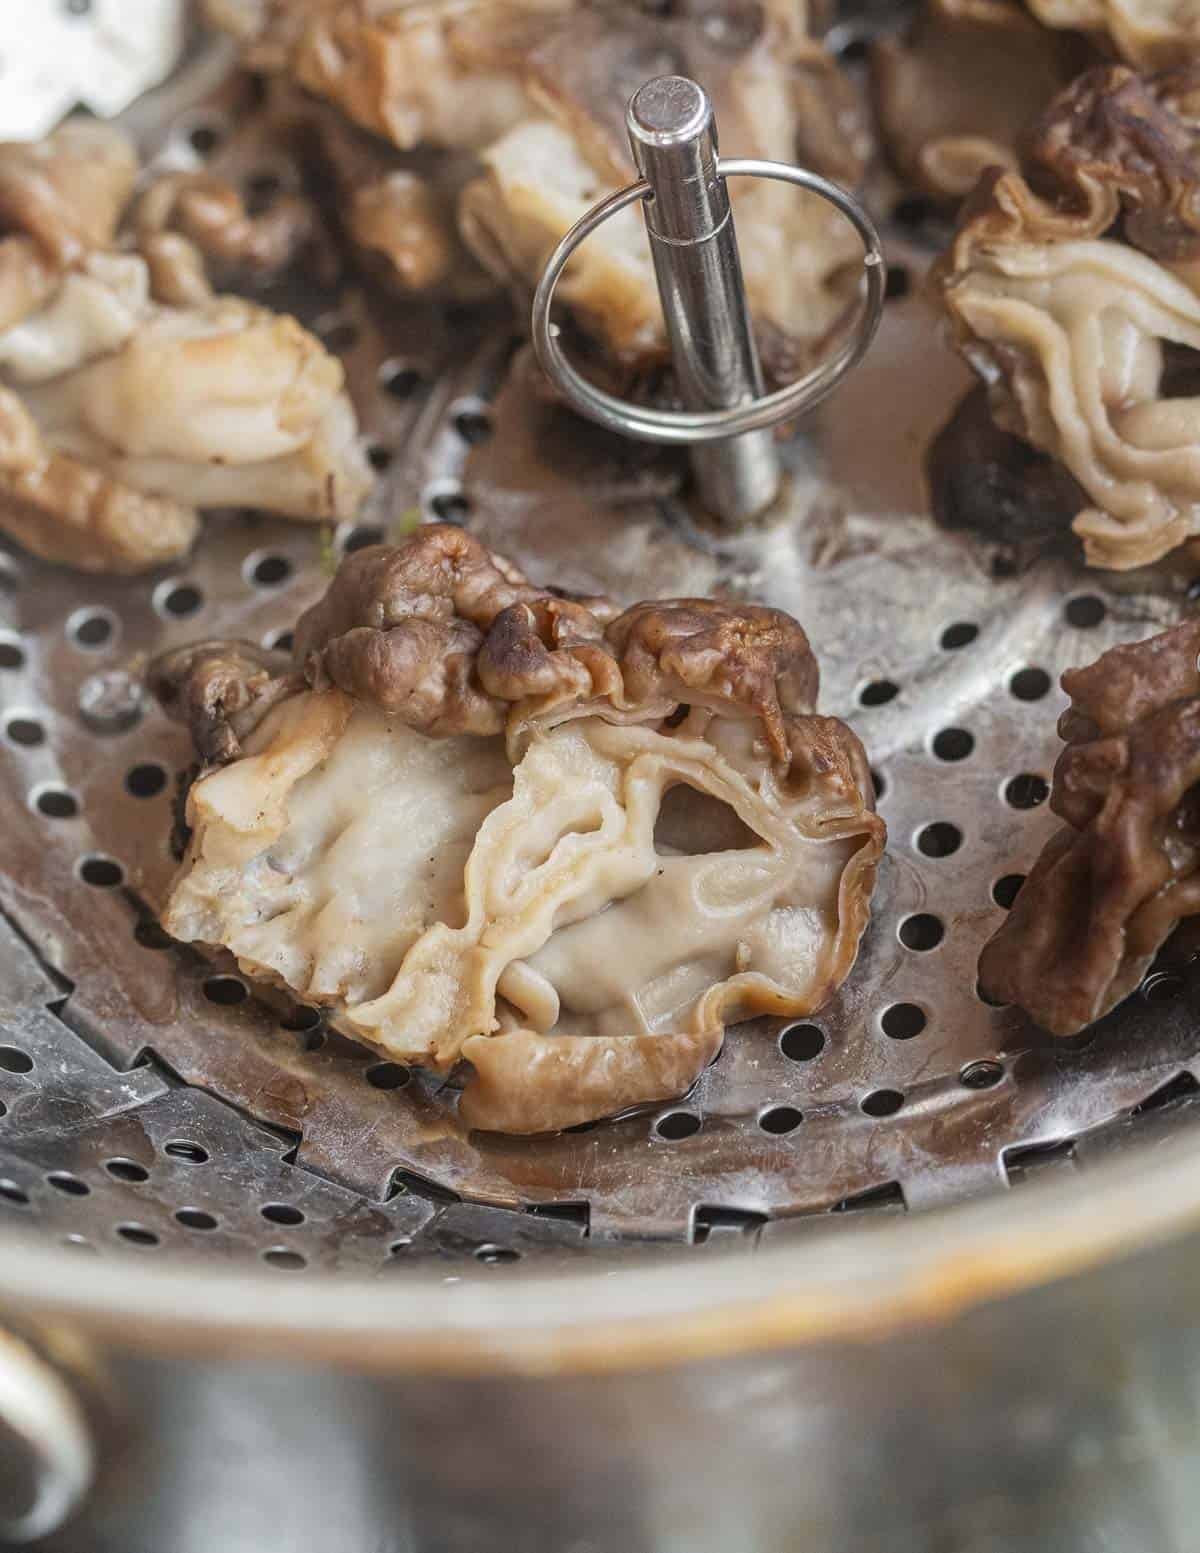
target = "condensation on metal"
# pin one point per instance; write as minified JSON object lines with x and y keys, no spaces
{"x":906,"y":1091}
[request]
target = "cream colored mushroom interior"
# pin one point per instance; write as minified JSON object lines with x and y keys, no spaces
{"x":580,"y":925}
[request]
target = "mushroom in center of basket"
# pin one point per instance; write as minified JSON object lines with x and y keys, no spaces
{"x":488,"y":826}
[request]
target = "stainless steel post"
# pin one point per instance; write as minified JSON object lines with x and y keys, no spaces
{"x":690,"y":226}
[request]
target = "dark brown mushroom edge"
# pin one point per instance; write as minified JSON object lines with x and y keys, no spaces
{"x":499,"y":831}
{"x":1110,"y":887}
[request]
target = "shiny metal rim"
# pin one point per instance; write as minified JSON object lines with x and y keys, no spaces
{"x":679,"y":427}
{"x":833,"y":1288}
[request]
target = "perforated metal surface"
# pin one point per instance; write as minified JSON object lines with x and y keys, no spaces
{"x":907,"y":1090}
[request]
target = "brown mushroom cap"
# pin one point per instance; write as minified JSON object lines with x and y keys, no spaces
{"x":220,"y":690}
{"x":1115,"y":143}
{"x":1109,"y":888}
{"x":1070,"y":289}
{"x":452,"y":638}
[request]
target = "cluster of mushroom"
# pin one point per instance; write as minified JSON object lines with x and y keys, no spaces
{"x":131,"y":395}
{"x":521,"y":103}
{"x":495,"y":830}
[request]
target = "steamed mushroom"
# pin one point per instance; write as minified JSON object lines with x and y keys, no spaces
{"x":493,"y":829}
{"x":536,"y":89}
{"x":73,"y":513}
{"x":1071,"y":289}
{"x":954,"y":95}
{"x":124,"y":414}
{"x":60,"y":200}
{"x":438,"y":72}
{"x":1111,"y":885}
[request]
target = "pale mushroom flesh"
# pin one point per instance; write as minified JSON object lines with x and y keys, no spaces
{"x":560,"y":867}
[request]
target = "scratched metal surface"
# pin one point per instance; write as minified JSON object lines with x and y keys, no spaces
{"x":907,"y":1090}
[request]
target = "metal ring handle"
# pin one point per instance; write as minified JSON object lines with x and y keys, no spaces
{"x":680,"y":427}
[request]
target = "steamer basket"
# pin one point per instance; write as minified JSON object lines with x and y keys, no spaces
{"x":906,"y":1275}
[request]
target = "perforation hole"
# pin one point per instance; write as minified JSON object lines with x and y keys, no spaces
{"x":127,"y":1170}
{"x":677,"y":1125}
{"x":379,"y":457}
{"x":1006,"y":890}
{"x":1085,"y":612}
{"x":137,"y":1235}
{"x":899,"y":279}
{"x":961,"y":634}
{"x":267,"y":571}
{"x":879,"y":783}
{"x":387,"y":1075}
{"x":1026,"y":791}
{"x":301,"y":1018}
{"x":14,"y":1060}
{"x":10,"y":1192}
{"x":953,"y":744}
{"x":102,"y":873}
{"x":70,"y":1186}
{"x":226,"y":990}
{"x":1029,"y":684}
{"x":280,"y":641}
{"x":195,"y":1218}
{"x":148,"y":933}
{"x":778,"y":1120}
{"x":940,"y":839}
{"x":902,"y":1021}
{"x":25,"y":731}
{"x":185,"y":1149}
{"x":12,"y":655}
{"x":981,"y":1075}
{"x":448,"y":504}
{"x":473,"y":426}
{"x":882,"y":1102}
{"x":1161,"y":987}
{"x":802,"y":1043}
{"x":496,"y":1256}
{"x":204,"y":139}
{"x":178,"y":600}
{"x":399,"y":380}
{"x":145,"y":781}
{"x":55,"y":803}
{"x":921,"y":932}
{"x":91,"y":629}
{"x":280,"y":1256}
{"x":281,"y":1213}
{"x":878,"y":693}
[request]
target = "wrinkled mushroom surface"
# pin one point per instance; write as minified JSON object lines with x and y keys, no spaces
{"x":1066,"y":286}
{"x":482,"y":823}
{"x":1111,"y":885}
{"x":122,"y":413}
